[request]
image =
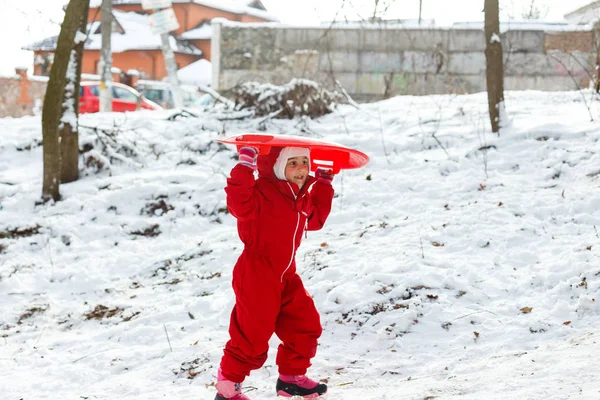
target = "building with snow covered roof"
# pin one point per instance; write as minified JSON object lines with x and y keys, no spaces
{"x":136,"y":47}
{"x":584,"y":15}
{"x":194,"y":16}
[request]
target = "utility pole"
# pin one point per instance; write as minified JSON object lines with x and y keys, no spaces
{"x":163,"y":20}
{"x":169,"y":57}
{"x":420,"y":10}
{"x":106,"y":57}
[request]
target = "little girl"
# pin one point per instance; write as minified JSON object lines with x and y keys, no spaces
{"x":272,"y":213}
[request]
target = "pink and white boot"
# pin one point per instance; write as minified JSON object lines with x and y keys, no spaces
{"x":227,"y":390}
{"x":299,"y":387}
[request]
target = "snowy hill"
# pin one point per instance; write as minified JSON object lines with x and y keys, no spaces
{"x":455,"y":265}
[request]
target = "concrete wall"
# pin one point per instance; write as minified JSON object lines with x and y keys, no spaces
{"x":372,"y":63}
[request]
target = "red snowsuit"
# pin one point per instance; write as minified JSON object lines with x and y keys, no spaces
{"x":272,"y":216}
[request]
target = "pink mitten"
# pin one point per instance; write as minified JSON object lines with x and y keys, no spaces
{"x":248,"y":157}
{"x":324,"y":175}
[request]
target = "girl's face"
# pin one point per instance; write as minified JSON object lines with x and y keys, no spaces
{"x":296,"y":170}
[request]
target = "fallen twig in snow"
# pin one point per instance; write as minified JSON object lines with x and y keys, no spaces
{"x":592,"y":174}
{"x":422,"y":249}
{"x":168,"y":340}
{"x":182,"y":113}
{"x":440,"y":143}
{"x":93,"y":354}
{"x":473,"y":313}
{"x":215,"y":95}
{"x":235,"y":116}
{"x":346,"y":95}
{"x":382,"y":139}
{"x":268,"y":117}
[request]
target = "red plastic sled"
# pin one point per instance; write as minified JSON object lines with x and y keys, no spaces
{"x":322,"y":153}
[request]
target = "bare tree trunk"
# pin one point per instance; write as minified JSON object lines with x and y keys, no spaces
{"x":374,"y":16}
{"x":54,"y":98}
{"x":494,"y":64}
{"x":69,"y":134}
{"x":597,"y":47}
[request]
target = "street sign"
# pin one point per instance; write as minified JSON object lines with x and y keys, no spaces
{"x":155,"y":4}
{"x":163,"y":21}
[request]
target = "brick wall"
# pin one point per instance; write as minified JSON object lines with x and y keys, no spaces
{"x":569,"y":41}
{"x":20,"y":96}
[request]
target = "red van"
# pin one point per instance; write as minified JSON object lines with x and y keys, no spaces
{"x":124,"y":99}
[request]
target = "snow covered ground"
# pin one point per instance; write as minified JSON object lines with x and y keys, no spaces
{"x":445,"y":271}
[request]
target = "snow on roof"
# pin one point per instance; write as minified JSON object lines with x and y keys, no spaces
{"x":198,"y":73}
{"x":525,"y":25}
{"x":137,"y":36}
{"x":581,"y":10}
{"x":341,"y":25}
{"x":392,"y":23}
{"x":522,"y":25}
{"x":278,"y":25}
{"x":48,"y":44}
{"x":10,"y":76}
{"x":204,"y":31}
{"x":232,"y":6}
{"x":40,"y":78}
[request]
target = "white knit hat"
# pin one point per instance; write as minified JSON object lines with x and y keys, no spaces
{"x":285,"y":155}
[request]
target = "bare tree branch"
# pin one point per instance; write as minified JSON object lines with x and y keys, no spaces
{"x":576,"y":83}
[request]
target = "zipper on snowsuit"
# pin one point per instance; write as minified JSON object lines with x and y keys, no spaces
{"x":294,"y":237}
{"x":305,"y":225}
